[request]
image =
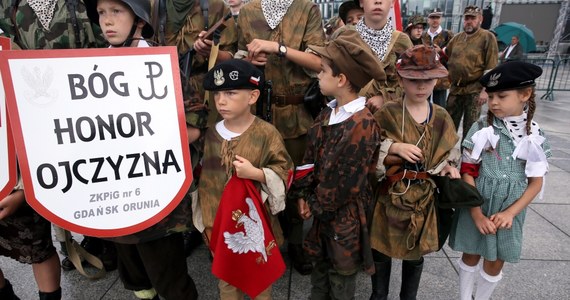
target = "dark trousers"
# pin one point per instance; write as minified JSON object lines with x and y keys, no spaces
{"x":328,"y":284}
{"x":158,"y":264}
{"x":466,"y":107}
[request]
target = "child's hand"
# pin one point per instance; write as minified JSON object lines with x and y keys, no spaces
{"x":503,"y":220}
{"x":374,"y":103}
{"x":11,"y":203}
{"x":244,"y":169}
{"x":304,"y":210}
{"x":408,"y":152}
{"x":483,"y":224}
{"x":451,"y":171}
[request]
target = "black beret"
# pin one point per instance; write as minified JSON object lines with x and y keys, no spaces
{"x":234,"y":74}
{"x":511,"y":75}
{"x":345,"y":8}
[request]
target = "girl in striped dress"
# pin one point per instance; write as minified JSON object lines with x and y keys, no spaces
{"x":504,"y":156}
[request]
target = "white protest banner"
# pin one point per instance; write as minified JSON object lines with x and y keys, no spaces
{"x":100,"y":135}
{"x":7,"y":154}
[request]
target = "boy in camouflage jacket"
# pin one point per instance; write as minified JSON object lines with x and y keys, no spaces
{"x":342,"y":152}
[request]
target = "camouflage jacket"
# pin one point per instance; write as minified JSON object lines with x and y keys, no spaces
{"x":390,"y":89}
{"x":184,"y":38}
{"x":262,"y":145}
{"x":30,"y":34}
{"x":442,"y":39}
{"x":301,"y":26}
{"x":469,"y":56}
{"x":339,"y":191}
{"x":404,"y":223}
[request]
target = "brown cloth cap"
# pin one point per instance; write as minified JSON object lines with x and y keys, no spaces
{"x":435,"y":13}
{"x":472,"y":10}
{"x":353,"y":57}
{"x":420,"y":62}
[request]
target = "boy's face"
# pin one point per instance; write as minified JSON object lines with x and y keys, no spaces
{"x":376,"y":10}
{"x":327,"y":81}
{"x":418,"y":90}
{"x":116,"y":20}
{"x":354,"y":15}
{"x":417,"y":31}
{"x":235,"y":104}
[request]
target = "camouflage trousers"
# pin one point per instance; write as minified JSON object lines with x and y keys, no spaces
{"x":466,"y":107}
{"x":327,"y":283}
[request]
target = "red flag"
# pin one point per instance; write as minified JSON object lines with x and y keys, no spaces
{"x":246,"y":254}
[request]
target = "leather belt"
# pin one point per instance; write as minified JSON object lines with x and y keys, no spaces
{"x":288,"y":100}
{"x":408,"y":174}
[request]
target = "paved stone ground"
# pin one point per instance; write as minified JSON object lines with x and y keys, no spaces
{"x":543,"y":273}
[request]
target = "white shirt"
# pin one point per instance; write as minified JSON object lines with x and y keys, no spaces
{"x":511,"y":47}
{"x":346,"y":111}
{"x":434,"y":34}
{"x":224,"y":132}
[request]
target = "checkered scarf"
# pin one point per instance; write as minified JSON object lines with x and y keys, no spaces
{"x":44,"y":11}
{"x":378,"y":40}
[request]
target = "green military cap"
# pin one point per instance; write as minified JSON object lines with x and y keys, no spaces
{"x":415,"y":20}
{"x":472,"y":10}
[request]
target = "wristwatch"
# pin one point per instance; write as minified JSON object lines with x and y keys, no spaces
{"x":282,"y":50}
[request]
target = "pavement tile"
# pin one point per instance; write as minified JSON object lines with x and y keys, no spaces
{"x":557,"y":215}
{"x":543,"y":241}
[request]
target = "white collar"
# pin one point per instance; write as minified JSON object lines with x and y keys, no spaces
{"x":141,"y":44}
{"x":224,"y":132}
{"x":438,"y":31}
{"x":351,"y":107}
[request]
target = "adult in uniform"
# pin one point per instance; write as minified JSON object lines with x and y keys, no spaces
{"x":438,"y":37}
{"x":470,"y":54}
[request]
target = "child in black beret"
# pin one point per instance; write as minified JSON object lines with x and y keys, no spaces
{"x":504,"y":156}
{"x":244,"y":145}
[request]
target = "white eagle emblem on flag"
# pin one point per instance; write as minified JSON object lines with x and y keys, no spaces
{"x":253,"y":239}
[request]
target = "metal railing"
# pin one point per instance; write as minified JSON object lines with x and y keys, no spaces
{"x":559,"y":81}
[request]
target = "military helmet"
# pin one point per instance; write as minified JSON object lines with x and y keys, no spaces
{"x":416,"y":20}
{"x":141,"y":8}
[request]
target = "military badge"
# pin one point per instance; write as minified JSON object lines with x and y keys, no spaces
{"x":219,"y":77}
{"x":234,"y":75}
{"x":494,"y":80}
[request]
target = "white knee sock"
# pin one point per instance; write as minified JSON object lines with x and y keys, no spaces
{"x":466,"y":280}
{"x":486,"y":284}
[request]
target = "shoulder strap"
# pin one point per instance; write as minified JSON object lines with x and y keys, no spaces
{"x":13,"y":11}
{"x":72,"y":9}
{"x":204,"y":5}
{"x":395,"y":36}
{"x":159,"y":21}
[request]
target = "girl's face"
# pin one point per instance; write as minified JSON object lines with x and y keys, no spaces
{"x":508,"y":103}
{"x":418,"y":90}
{"x":327,"y":81}
{"x":116,"y":20}
{"x":376,"y":11}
